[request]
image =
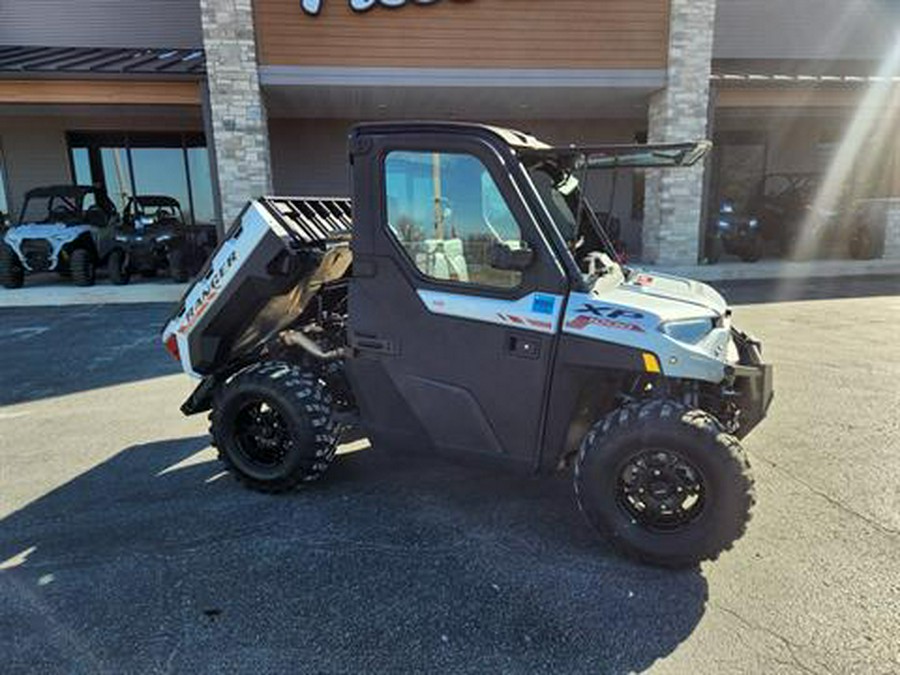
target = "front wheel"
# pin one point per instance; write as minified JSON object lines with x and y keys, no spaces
{"x":273,"y":426}
{"x":664,"y":483}
{"x":12,"y":273}
{"x":81,"y":264}
{"x":753,"y":250}
{"x":117,"y":267}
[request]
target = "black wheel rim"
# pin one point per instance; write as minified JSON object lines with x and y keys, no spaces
{"x":661,"y":490}
{"x":261,"y":434}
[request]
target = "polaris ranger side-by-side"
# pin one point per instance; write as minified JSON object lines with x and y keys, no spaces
{"x":63,"y":228}
{"x":459,"y":310}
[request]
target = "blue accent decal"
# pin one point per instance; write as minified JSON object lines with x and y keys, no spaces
{"x":543,"y":304}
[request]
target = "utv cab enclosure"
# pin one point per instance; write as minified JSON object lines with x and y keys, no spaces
{"x":62,"y":228}
{"x":475,"y":320}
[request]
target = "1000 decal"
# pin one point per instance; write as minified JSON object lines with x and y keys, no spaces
{"x":313,"y":7}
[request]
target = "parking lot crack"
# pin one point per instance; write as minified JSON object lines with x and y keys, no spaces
{"x":881,"y":527}
{"x":790,"y":646}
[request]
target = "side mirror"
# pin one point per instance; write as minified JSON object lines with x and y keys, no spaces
{"x":516,"y":257}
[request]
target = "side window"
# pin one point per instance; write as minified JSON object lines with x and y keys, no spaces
{"x":447,"y":212}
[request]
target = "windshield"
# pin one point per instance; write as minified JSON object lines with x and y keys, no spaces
{"x":53,"y":209}
{"x":561,"y":193}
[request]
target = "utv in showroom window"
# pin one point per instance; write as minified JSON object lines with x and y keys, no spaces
{"x":68,"y":229}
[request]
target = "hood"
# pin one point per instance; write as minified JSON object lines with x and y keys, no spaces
{"x":643,"y":311}
{"x":50,"y":231}
{"x":668,"y":287}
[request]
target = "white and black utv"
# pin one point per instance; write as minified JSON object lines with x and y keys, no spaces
{"x":64,"y":228}
{"x":474,"y":319}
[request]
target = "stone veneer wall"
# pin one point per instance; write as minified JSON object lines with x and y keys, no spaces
{"x":237,"y":111}
{"x":892,"y":232}
{"x":674,"y":198}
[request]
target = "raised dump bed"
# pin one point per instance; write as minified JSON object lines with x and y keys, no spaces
{"x":277,"y":256}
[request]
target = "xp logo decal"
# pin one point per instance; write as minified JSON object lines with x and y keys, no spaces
{"x":605,"y":317}
{"x":313,"y":7}
{"x":608,"y":312}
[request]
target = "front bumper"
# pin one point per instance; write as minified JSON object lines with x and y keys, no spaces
{"x":753,"y":383}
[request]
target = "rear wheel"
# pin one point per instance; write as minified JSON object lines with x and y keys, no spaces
{"x":753,"y":250}
{"x":273,"y":426}
{"x":81,"y":264}
{"x":177,"y":266}
{"x":117,"y":267}
{"x":12,"y":273}
{"x":664,"y":483}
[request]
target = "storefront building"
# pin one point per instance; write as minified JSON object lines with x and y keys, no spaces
{"x":215,"y":101}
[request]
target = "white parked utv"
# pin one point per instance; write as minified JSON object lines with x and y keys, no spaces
{"x":470,"y":305}
{"x":64,"y":228}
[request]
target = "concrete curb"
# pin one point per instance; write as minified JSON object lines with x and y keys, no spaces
{"x":778,"y":269}
{"x":62,"y":294}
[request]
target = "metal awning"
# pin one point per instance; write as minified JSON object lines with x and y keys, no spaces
{"x":88,"y":61}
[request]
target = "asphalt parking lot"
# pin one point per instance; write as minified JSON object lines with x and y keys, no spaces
{"x":123,"y":549}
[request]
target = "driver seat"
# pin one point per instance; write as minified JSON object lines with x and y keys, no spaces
{"x":96,"y":217}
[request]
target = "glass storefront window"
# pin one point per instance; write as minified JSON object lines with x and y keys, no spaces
{"x":115,"y":175}
{"x":201,"y":185}
{"x":4,"y":205}
{"x":174,"y":165}
{"x":161,"y":171}
{"x":81,"y":166}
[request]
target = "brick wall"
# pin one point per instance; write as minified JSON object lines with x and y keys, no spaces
{"x":237,"y":111}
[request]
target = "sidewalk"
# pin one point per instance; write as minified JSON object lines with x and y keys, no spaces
{"x":784,"y":269}
{"x":48,"y":290}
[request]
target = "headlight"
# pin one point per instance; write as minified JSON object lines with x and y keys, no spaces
{"x":690,"y":331}
{"x":121,"y":238}
{"x":724,"y":224}
{"x":753,"y":222}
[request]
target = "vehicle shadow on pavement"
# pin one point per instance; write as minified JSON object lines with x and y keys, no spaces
{"x":154,"y":561}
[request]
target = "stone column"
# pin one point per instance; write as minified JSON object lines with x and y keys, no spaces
{"x":673,"y":200}
{"x":237,"y":112}
{"x":892,"y":231}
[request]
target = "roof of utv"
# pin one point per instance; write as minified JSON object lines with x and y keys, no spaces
{"x":513,"y":138}
{"x":609,"y":156}
{"x":156,"y":200}
{"x":71,"y":191}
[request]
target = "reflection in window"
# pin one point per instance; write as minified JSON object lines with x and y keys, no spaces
{"x":173,"y":165}
{"x":447,"y":212}
{"x":115,"y":175}
{"x":4,"y":205}
{"x":201,"y":185}
{"x":81,"y":166}
{"x":161,"y":171}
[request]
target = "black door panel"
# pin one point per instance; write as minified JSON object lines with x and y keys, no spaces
{"x":427,"y":379}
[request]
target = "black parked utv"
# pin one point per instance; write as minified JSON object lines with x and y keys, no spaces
{"x":152,"y":238}
{"x":458,"y":308}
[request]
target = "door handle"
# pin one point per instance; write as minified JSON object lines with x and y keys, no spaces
{"x":523,"y":346}
{"x":374,"y":344}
